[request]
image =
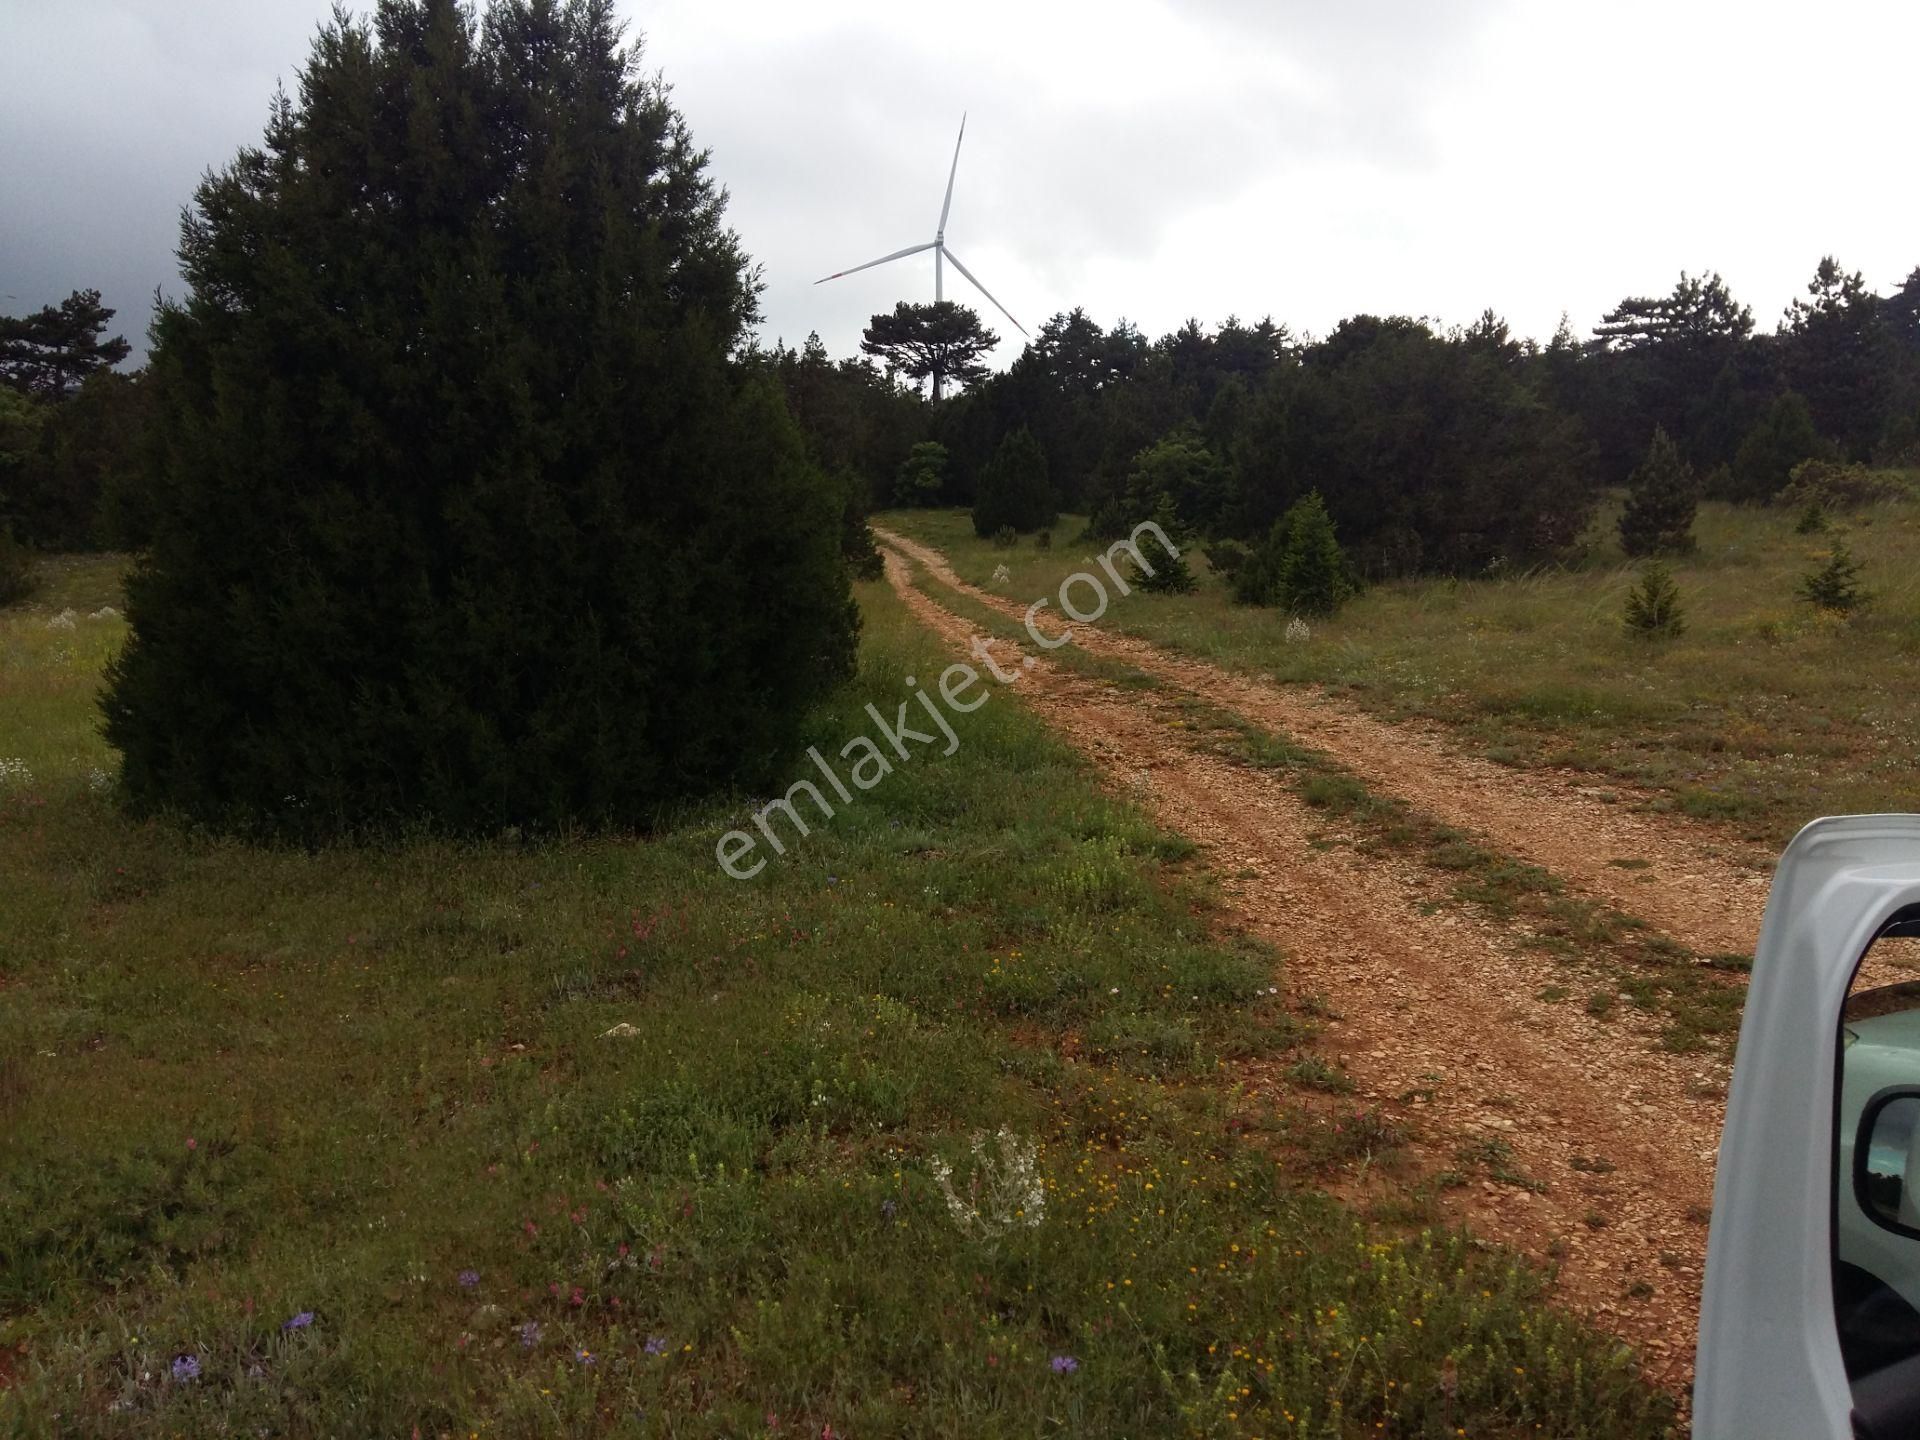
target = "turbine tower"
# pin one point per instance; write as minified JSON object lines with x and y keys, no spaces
{"x":941,"y":254}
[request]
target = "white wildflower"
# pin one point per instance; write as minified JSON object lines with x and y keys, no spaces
{"x":99,"y":781}
{"x":15,"y":772}
{"x":105,"y":612}
{"x":63,"y":621}
{"x":1005,"y":1191}
{"x":1297,"y":631}
{"x":1002,"y":575}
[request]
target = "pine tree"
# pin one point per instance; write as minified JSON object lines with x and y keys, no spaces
{"x":1314,"y":576}
{"x":1661,"y":499}
{"x":1840,"y":354}
{"x":463,"y":514}
{"x":1013,"y":489}
{"x":1653,"y":605}
{"x":1835,"y":585}
{"x":943,"y":342}
{"x":50,"y":353}
{"x":1256,"y":576}
{"x":1171,"y":575}
{"x":1299,"y":566}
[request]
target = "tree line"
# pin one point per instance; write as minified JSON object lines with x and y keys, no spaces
{"x":1457,"y":450}
{"x":1432,"y":450}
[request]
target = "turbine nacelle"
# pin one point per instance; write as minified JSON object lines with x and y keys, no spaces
{"x":941,"y":255}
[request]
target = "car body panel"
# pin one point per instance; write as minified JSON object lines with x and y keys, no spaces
{"x":1769,"y":1361}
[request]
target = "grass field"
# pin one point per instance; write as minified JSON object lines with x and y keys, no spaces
{"x":1650,"y":970}
{"x":338,"y":1143}
{"x":1765,"y":713}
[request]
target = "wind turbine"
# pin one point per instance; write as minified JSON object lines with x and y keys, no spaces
{"x":940,"y":253}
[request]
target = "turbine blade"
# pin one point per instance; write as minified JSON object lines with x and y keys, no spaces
{"x":947,"y":204}
{"x":955,"y":261}
{"x":896,"y":255}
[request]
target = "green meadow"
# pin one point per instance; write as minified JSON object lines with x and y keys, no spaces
{"x":930,"y":1129}
{"x":1765,"y":713}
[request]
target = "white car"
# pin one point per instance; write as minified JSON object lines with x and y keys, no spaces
{"x":1810,"y":1322}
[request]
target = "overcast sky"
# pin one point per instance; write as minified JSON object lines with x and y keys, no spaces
{"x":1300,"y":158}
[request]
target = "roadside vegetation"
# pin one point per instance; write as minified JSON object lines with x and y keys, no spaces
{"x":338,"y":1141}
{"x":1656,"y":974}
{"x":1766,"y":711}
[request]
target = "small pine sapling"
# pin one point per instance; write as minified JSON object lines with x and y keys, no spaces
{"x":1653,"y":609}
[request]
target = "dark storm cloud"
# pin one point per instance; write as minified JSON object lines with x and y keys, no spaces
{"x":112,"y":111}
{"x":834,"y":144}
{"x":1139,"y":157}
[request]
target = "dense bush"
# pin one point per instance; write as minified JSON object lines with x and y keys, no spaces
{"x":462,"y":513}
{"x":1767,"y":456}
{"x":1661,"y":499}
{"x":71,"y":444}
{"x":1838,"y":485}
{"x":921,"y":475}
{"x":1181,"y":469}
{"x":1430,"y":453}
{"x":1300,"y":566}
{"x":18,"y":577}
{"x":21,"y":421}
{"x":856,"y":535}
{"x":1226,"y":558}
{"x":1108,"y":520}
{"x":1012,"y":490}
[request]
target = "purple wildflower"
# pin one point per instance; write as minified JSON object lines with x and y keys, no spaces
{"x":185,"y":1368}
{"x":585,"y":1357}
{"x":529,"y":1334}
{"x":1064,"y":1364}
{"x":889,"y":1209}
{"x":469,"y":1279}
{"x":656,"y":1345}
{"x":298,"y":1322}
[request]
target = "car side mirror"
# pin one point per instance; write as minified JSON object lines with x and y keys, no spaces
{"x":1886,"y":1161}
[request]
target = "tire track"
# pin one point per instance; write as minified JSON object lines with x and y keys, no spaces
{"x":1685,"y":878}
{"x":1442,"y":1004}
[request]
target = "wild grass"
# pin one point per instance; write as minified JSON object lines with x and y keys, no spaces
{"x":1765,"y":714}
{"x":1657,"y":974}
{"x":340,"y":1143}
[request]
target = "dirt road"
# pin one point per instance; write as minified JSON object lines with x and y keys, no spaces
{"x":1609,"y":1141}
{"x":1689,"y":880}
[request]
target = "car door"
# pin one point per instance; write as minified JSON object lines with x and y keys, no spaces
{"x":1806,"y":1328}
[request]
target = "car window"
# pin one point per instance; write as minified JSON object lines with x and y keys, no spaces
{"x":1876,"y":1190}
